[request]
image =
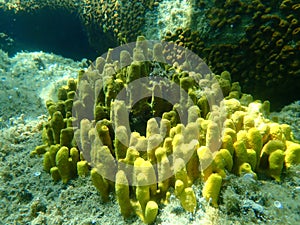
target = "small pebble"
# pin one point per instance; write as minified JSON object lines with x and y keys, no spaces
{"x":278,"y":205}
{"x":37,"y":174}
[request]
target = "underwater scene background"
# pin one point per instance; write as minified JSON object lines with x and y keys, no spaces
{"x":149,"y":112}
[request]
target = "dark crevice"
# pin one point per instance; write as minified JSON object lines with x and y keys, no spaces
{"x":56,"y":31}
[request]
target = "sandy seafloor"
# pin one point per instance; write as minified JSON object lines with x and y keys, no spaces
{"x":29,"y":196}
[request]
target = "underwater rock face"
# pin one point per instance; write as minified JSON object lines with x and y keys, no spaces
{"x":193,"y":125}
{"x":257,"y":41}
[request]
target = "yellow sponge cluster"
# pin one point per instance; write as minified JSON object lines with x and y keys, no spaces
{"x":251,"y":144}
{"x":92,"y":130}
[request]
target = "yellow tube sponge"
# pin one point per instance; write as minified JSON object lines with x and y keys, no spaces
{"x":193,"y":113}
{"x":255,"y":142}
{"x":287,"y":132}
{"x":154,"y":141}
{"x":276,"y":160}
{"x":66,"y":136}
{"x":39,"y":150}
{"x":47,"y":162}
{"x":119,"y":114}
{"x":178,"y":149}
{"x":142,"y":190}
{"x":227,"y":143}
{"x":211,"y":189}
{"x":205,"y":161}
{"x":152,"y":127}
{"x":228,"y":123}
{"x":240,"y":155}
{"x":63,"y":164}
{"x":74,"y":155}
{"x":238,"y":118}
{"x":165,"y":126}
{"x":230,"y":132}
{"x":213,"y":137}
{"x":85,"y":127}
{"x":168,"y":145}
{"x":248,"y":122}
{"x":192,"y":165}
{"x":121,"y":142}
{"x":191,"y":132}
{"x":55,"y":173}
{"x":180,"y":171}
{"x":223,"y":160}
{"x":203,"y":105}
{"x":242,"y":136}
{"x":292,"y":154}
{"x":179,"y":187}
{"x":101,"y":184}
{"x":105,"y":162}
{"x":150,"y":212}
{"x":122,"y":194}
{"x":268,"y":148}
{"x":57,"y":124}
{"x":131,"y":155}
{"x":251,"y":158}
{"x":276,"y":132}
{"x":246,"y":168}
{"x":264,"y":130}
{"x":133,"y":71}
{"x":178,"y":139}
{"x":188,"y":199}
{"x":231,"y":106}
{"x":164,"y":170}
{"x":82,"y":168}
{"x":141,"y":146}
{"x":53,"y":151}
{"x":146,"y":168}
{"x":104,"y":136}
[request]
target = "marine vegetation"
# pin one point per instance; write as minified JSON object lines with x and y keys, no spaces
{"x":150,"y":118}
